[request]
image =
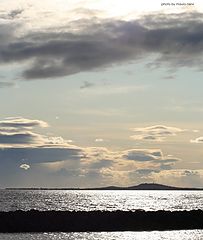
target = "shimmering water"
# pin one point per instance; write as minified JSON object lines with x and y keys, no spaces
{"x":155,"y":235}
{"x":11,"y":200}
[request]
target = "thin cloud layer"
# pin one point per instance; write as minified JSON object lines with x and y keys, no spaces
{"x":175,"y":40}
{"x":155,"y":133}
{"x":21,"y":123}
{"x":6,"y":84}
{"x":17,"y":131}
{"x":197,"y":140}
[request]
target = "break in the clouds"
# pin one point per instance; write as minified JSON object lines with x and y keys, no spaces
{"x":197,"y":140}
{"x":155,"y":133}
{"x":92,"y":44}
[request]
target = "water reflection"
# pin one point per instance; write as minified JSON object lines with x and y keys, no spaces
{"x":100,"y":200}
{"x":155,"y":235}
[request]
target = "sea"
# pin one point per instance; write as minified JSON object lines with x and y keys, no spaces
{"x":108,"y":200}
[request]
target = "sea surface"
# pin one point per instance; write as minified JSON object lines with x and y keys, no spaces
{"x":61,"y":200}
{"x":155,"y":235}
{"x":128,"y":200}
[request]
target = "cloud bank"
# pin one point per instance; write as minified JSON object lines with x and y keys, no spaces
{"x":175,"y":40}
{"x":52,"y":161}
{"x":21,"y":147}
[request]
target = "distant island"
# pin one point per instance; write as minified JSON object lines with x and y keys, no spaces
{"x":142,"y":186}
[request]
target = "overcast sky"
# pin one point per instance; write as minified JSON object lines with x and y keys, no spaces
{"x":100,"y":92}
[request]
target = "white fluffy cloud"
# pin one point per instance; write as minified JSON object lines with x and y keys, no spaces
{"x":25,"y":166}
{"x":155,"y":133}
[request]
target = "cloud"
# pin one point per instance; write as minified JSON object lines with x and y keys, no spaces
{"x":86,"y":84}
{"x":155,"y":133}
{"x":149,"y":158}
{"x":55,"y":158}
{"x":25,"y":166}
{"x":104,"y":42}
{"x":146,"y":171}
{"x":99,"y":140}
{"x":43,"y":154}
{"x":180,"y":177}
{"x":169,"y":77}
{"x":127,"y":160}
{"x":21,"y":123}
{"x":18,"y":131}
{"x":20,"y":138}
{"x":6,"y":84}
{"x":197,"y":140}
{"x":19,"y":141}
{"x":15,"y":13}
{"x":11,"y":15}
{"x":143,"y":154}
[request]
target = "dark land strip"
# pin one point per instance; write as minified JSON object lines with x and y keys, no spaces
{"x":142,"y":186}
{"x":97,"y":221}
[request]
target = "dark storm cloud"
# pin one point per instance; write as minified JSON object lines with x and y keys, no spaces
{"x":175,"y":39}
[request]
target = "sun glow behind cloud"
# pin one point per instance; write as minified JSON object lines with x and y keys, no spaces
{"x":49,"y":13}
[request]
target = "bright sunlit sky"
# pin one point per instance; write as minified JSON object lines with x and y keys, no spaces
{"x":101,"y":92}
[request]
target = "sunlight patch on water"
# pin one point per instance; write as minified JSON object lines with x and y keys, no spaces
{"x":62,"y":200}
{"x":155,"y":235}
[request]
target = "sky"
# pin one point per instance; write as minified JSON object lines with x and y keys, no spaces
{"x":101,"y":92}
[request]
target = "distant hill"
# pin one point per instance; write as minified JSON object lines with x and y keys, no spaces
{"x":148,"y":186}
{"x":142,"y":186}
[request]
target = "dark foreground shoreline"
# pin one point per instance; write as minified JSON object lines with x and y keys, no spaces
{"x":97,"y":221}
